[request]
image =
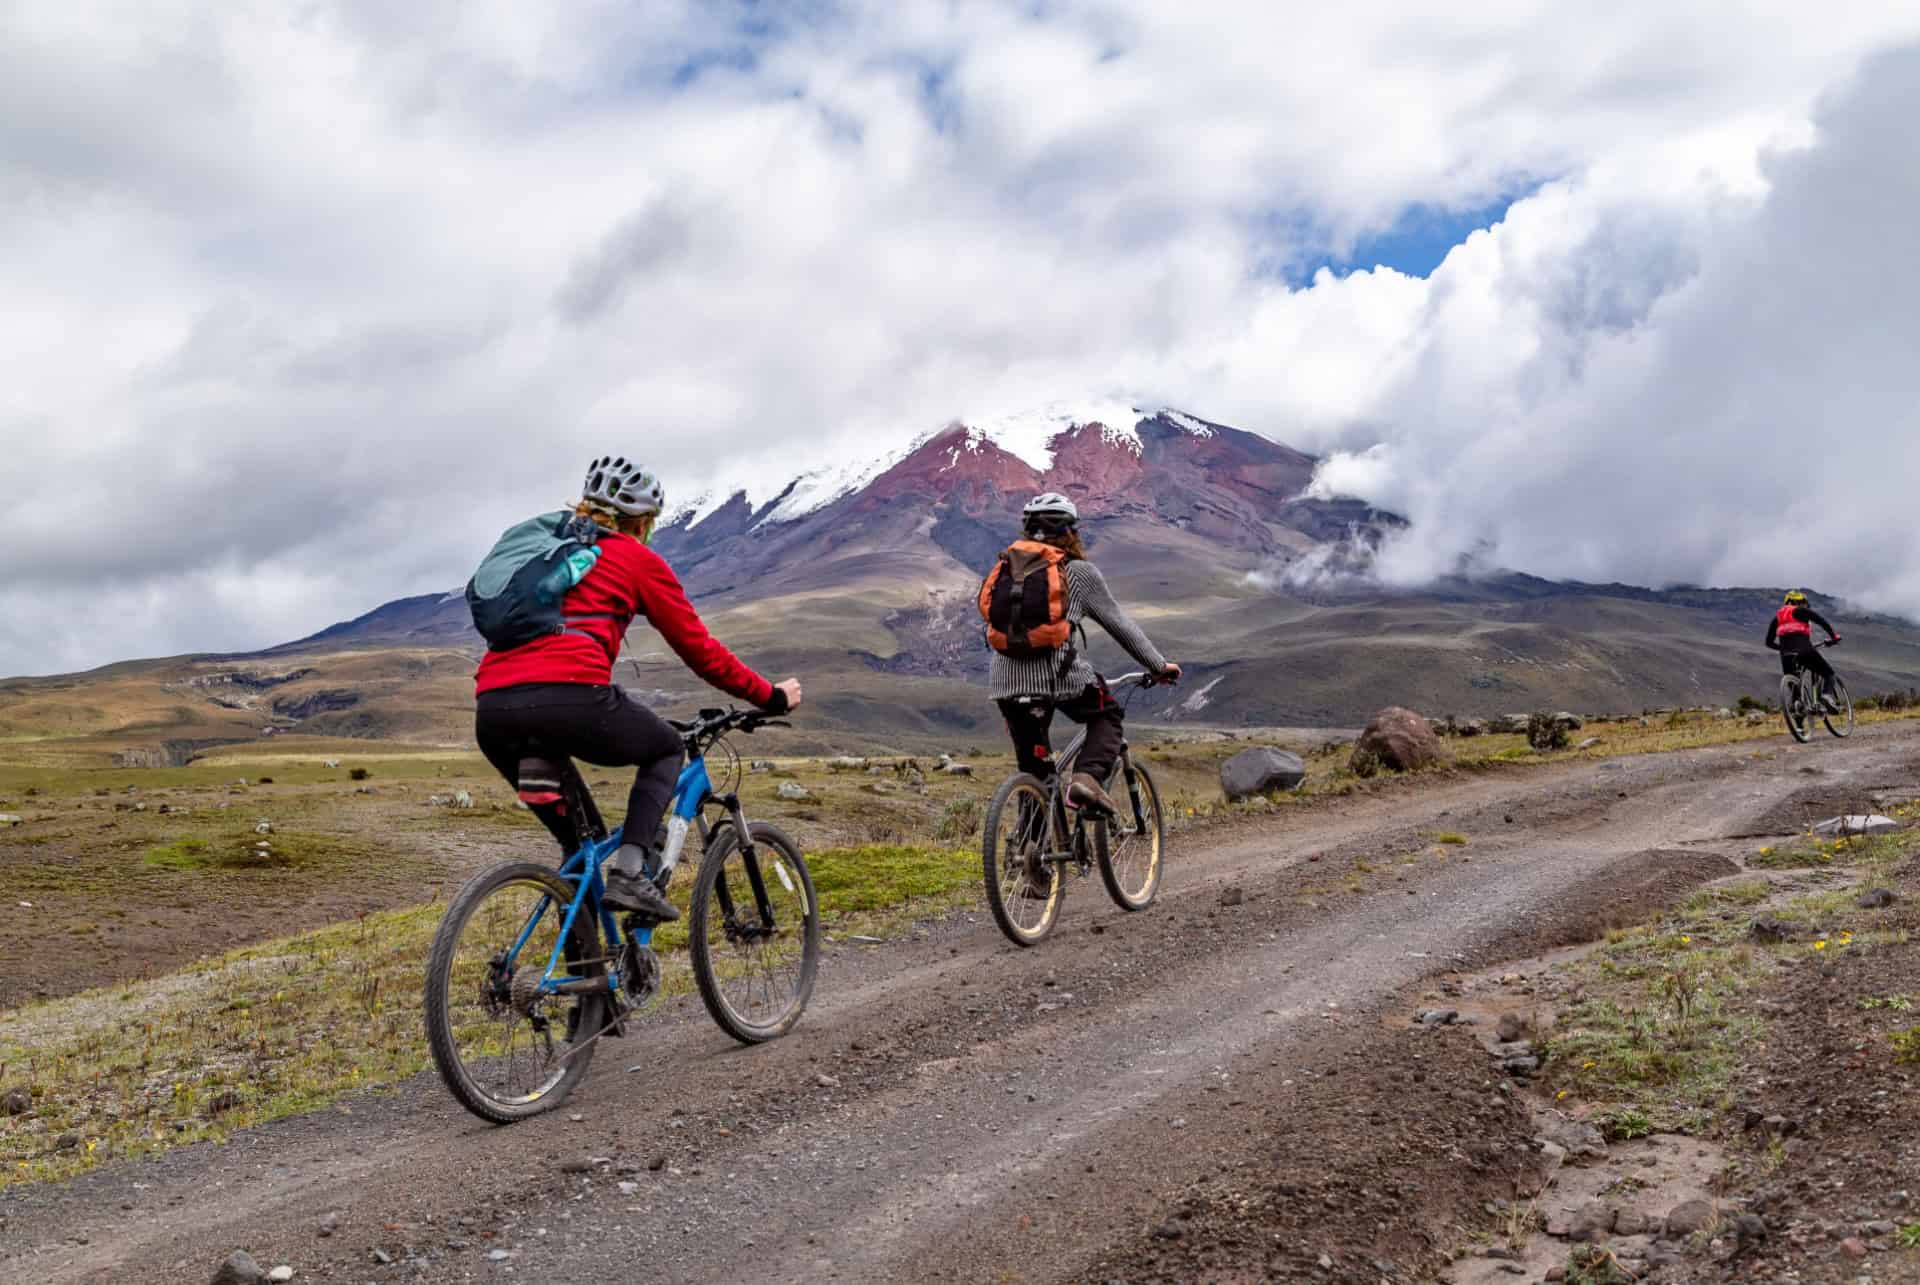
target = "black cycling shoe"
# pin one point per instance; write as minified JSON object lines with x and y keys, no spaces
{"x":640,"y":896}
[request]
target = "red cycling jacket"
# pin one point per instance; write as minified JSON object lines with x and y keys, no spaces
{"x":629,"y":580}
{"x":1791,"y":619}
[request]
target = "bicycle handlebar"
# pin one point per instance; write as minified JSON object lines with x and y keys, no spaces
{"x":1141,"y":678}
{"x":714,"y":723}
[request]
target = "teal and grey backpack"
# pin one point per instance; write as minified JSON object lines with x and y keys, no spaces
{"x":515,"y":596}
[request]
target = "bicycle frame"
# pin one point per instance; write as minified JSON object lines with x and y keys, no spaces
{"x":691,"y":793}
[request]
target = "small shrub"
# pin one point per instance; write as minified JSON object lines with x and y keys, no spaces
{"x":1747,"y":705}
{"x":266,"y":780}
{"x":359,"y":774}
{"x":1364,"y":763}
{"x":1623,"y":1124}
{"x":1906,"y":1044}
{"x":960,"y":819}
{"x":1453,"y":837}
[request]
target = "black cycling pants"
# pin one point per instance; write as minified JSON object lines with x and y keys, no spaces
{"x":1030,"y":718}
{"x":599,"y":725}
{"x":1792,"y":661}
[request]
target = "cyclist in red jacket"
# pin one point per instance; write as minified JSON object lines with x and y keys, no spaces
{"x":557,"y":691}
{"x":1791,"y":634}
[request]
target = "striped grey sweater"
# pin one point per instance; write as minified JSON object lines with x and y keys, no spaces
{"x":1087,"y":595}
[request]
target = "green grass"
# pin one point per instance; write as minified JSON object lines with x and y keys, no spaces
{"x":1662,"y":1020}
{"x":1452,"y":837}
{"x":300,"y":1023}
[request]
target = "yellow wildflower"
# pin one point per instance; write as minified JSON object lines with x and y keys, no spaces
{"x":1588,"y":1066}
{"x":1821,"y":944}
{"x":1561,"y":1094}
{"x":1685,"y":940}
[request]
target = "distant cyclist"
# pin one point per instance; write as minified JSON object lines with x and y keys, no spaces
{"x":1034,"y":601}
{"x":555,"y":694}
{"x":1791,"y":634}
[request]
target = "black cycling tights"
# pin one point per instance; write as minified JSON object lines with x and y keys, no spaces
{"x":599,"y":725}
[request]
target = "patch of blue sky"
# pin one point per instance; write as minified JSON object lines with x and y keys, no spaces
{"x":1417,"y":242}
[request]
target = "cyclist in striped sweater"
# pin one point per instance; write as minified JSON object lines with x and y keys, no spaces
{"x":1030,"y":682}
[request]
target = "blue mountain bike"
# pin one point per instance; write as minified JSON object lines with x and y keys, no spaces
{"x":530,"y":970}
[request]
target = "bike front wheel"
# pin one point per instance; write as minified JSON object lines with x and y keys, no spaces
{"x":1793,"y":709}
{"x":1131,"y":845}
{"x":1840,"y":723}
{"x":1024,"y":888}
{"x":754,"y":933}
{"x":505,"y":1048}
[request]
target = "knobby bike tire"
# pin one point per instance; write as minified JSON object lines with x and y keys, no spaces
{"x":1156,"y":837}
{"x":1802,"y":731}
{"x":591,"y":1009}
{"x":1012,"y":924}
{"x":1846,"y":711}
{"x":726,"y":1015}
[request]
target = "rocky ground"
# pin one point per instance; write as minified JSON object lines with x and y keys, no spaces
{"x":1290,"y":1068}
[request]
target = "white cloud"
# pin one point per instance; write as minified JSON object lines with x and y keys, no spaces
{"x":305,"y":303}
{"x":1716,"y":393}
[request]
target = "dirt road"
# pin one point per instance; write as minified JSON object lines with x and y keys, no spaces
{"x":956,"y":1109}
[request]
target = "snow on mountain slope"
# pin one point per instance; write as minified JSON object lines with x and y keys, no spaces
{"x":1031,"y":436}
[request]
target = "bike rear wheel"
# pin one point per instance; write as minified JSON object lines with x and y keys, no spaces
{"x":1793,"y":708}
{"x":505,"y":1050}
{"x":754,"y":933}
{"x":1841,"y":723}
{"x":1130,"y":846}
{"x":1024,"y":889}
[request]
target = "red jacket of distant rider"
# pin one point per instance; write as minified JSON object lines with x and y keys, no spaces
{"x":629,"y":580}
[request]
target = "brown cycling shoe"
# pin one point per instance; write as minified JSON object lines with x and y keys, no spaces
{"x":1085,"y":792}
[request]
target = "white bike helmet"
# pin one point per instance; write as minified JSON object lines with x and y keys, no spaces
{"x":619,"y":483}
{"x":1052,"y":511}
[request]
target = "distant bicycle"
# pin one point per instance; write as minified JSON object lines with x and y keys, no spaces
{"x":1800,"y":701}
{"x":520,"y":989}
{"x":1032,"y":837}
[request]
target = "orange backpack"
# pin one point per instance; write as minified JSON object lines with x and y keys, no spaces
{"x":1024,"y":601}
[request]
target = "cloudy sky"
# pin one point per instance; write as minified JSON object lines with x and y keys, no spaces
{"x":303,"y":302}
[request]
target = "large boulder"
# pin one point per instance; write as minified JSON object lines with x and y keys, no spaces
{"x":1259,"y":770}
{"x":1399,"y":739}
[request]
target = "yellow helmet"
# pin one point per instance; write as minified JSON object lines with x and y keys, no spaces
{"x":1795,"y":597}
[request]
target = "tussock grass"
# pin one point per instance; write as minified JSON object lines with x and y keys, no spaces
{"x":303,"y":1022}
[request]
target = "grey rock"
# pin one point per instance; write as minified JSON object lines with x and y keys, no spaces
{"x":1587,"y":744}
{"x":1581,"y":1139}
{"x":1875,"y":898}
{"x":1553,"y":1153}
{"x":9,"y":818}
{"x":793,"y":790}
{"x":1631,"y":1222}
{"x":1509,"y":1028}
{"x":329,"y":1223}
{"x":760,"y":765}
{"x":382,"y":1257}
{"x":1521,"y":1066}
{"x":1260,"y":769}
{"x":1690,"y":1217}
{"x":1439,"y":1017}
{"x":1232,"y":895}
{"x":17,"y":1102}
{"x":957,"y":769}
{"x":280,"y":1274}
{"x":1770,"y":931}
{"x":1856,"y":824}
{"x":1593,"y":1223}
{"x":576,"y":1164}
{"x":239,"y":1269}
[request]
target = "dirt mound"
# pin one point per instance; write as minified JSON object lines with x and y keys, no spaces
{"x":1829,"y":1085}
{"x":1625,"y":893}
{"x":1423,"y":1141}
{"x":1797,"y":813}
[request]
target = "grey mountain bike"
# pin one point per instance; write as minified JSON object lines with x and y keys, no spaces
{"x":1032,"y":838}
{"x":1800,"y":701}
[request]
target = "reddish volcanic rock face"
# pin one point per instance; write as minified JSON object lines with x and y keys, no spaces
{"x":957,"y":465}
{"x":1085,"y":464}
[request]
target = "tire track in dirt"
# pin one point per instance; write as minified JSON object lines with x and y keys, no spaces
{"x":955,"y":1108}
